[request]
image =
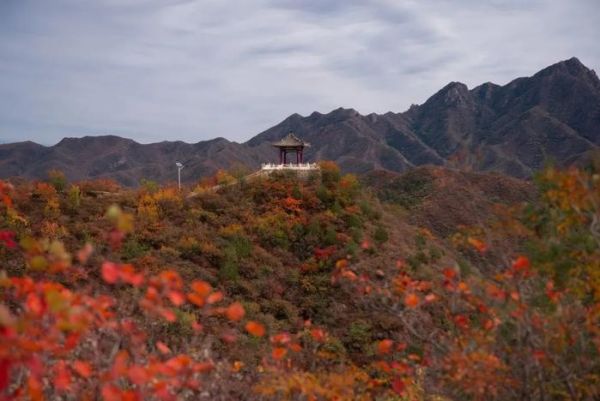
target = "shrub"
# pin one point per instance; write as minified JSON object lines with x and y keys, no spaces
{"x":57,"y":179}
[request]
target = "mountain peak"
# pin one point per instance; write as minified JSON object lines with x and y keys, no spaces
{"x":454,"y":93}
{"x":571,"y":66}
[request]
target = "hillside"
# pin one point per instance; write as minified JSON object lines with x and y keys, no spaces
{"x":281,"y":287}
{"x":513,"y":129}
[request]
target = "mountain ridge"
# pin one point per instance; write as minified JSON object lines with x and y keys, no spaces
{"x":513,"y":129}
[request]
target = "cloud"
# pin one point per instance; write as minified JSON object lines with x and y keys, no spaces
{"x":195,"y":69}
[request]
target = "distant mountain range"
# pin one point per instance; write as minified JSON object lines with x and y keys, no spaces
{"x":512,"y":129}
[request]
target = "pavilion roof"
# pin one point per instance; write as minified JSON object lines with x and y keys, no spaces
{"x":290,"y":140}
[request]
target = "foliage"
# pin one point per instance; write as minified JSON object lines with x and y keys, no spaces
{"x":97,"y":304}
{"x":57,"y":179}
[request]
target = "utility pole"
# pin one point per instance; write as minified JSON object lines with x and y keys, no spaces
{"x":179,"y":168}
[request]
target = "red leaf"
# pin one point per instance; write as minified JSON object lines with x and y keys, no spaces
{"x":4,"y":373}
{"x":281,"y":338}
{"x":176,"y":298}
{"x":449,"y":273}
{"x":317,"y":334}
{"x":82,"y":368}
{"x":384,"y":346}
{"x":398,"y":386}
{"x":110,"y":272}
{"x":35,"y":304}
{"x":162,"y":347}
{"x":120,"y":364}
{"x":521,"y":263}
{"x":111,"y":393}
{"x":137,"y":375}
{"x":279,"y":353}
{"x":168,"y":314}
{"x":62,"y":378}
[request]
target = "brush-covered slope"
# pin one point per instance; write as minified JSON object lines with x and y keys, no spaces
{"x":321,"y":288}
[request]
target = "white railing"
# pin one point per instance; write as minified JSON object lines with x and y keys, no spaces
{"x":290,"y":166}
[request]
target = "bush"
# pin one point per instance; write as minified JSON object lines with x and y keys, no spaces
{"x":381,"y":235}
{"x":57,"y":179}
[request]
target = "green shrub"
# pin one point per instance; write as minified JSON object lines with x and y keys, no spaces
{"x":57,"y":179}
{"x":381,"y":235}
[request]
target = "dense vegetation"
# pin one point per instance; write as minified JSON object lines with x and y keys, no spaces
{"x":302,"y":289}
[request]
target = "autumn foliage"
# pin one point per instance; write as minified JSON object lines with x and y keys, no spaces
{"x":288,"y":289}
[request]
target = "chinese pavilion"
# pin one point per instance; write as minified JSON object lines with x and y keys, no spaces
{"x":291,"y":143}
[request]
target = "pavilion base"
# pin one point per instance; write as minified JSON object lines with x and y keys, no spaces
{"x":290,"y":166}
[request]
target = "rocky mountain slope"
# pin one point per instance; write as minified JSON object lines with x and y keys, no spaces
{"x":513,"y":129}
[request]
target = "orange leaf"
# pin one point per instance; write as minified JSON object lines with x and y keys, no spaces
{"x":279,"y":353}
{"x":82,"y":368}
{"x":463,"y":287}
{"x":34,"y":387}
{"x":384,"y":346}
{"x":34,"y":304}
{"x":449,"y":273}
{"x":237,"y":366}
{"x":202,"y":288}
{"x":477,"y":244}
{"x":411,"y":300}
{"x":214,"y":297}
{"x":176,"y":298}
{"x":195,"y":299}
{"x":235,"y":312}
{"x":255,"y":328}
{"x":162,"y":347}
{"x":110,"y":272}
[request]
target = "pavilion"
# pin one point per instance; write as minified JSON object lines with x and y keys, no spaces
{"x":290,"y":144}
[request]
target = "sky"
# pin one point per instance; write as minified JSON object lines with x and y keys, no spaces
{"x":192,"y":70}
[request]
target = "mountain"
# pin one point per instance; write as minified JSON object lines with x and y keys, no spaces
{"x":124,"y":160}
{"x":512,"y":129}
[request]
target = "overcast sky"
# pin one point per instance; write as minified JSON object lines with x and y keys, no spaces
{"x":191,"y":70}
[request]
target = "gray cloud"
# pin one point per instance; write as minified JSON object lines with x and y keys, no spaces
{"x":195,"y":69}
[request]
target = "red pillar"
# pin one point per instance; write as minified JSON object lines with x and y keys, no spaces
{"x":284,"y":156}
{"x":301,"y":155}
{"x":297,"y":157}
{"x":280,"y":156}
